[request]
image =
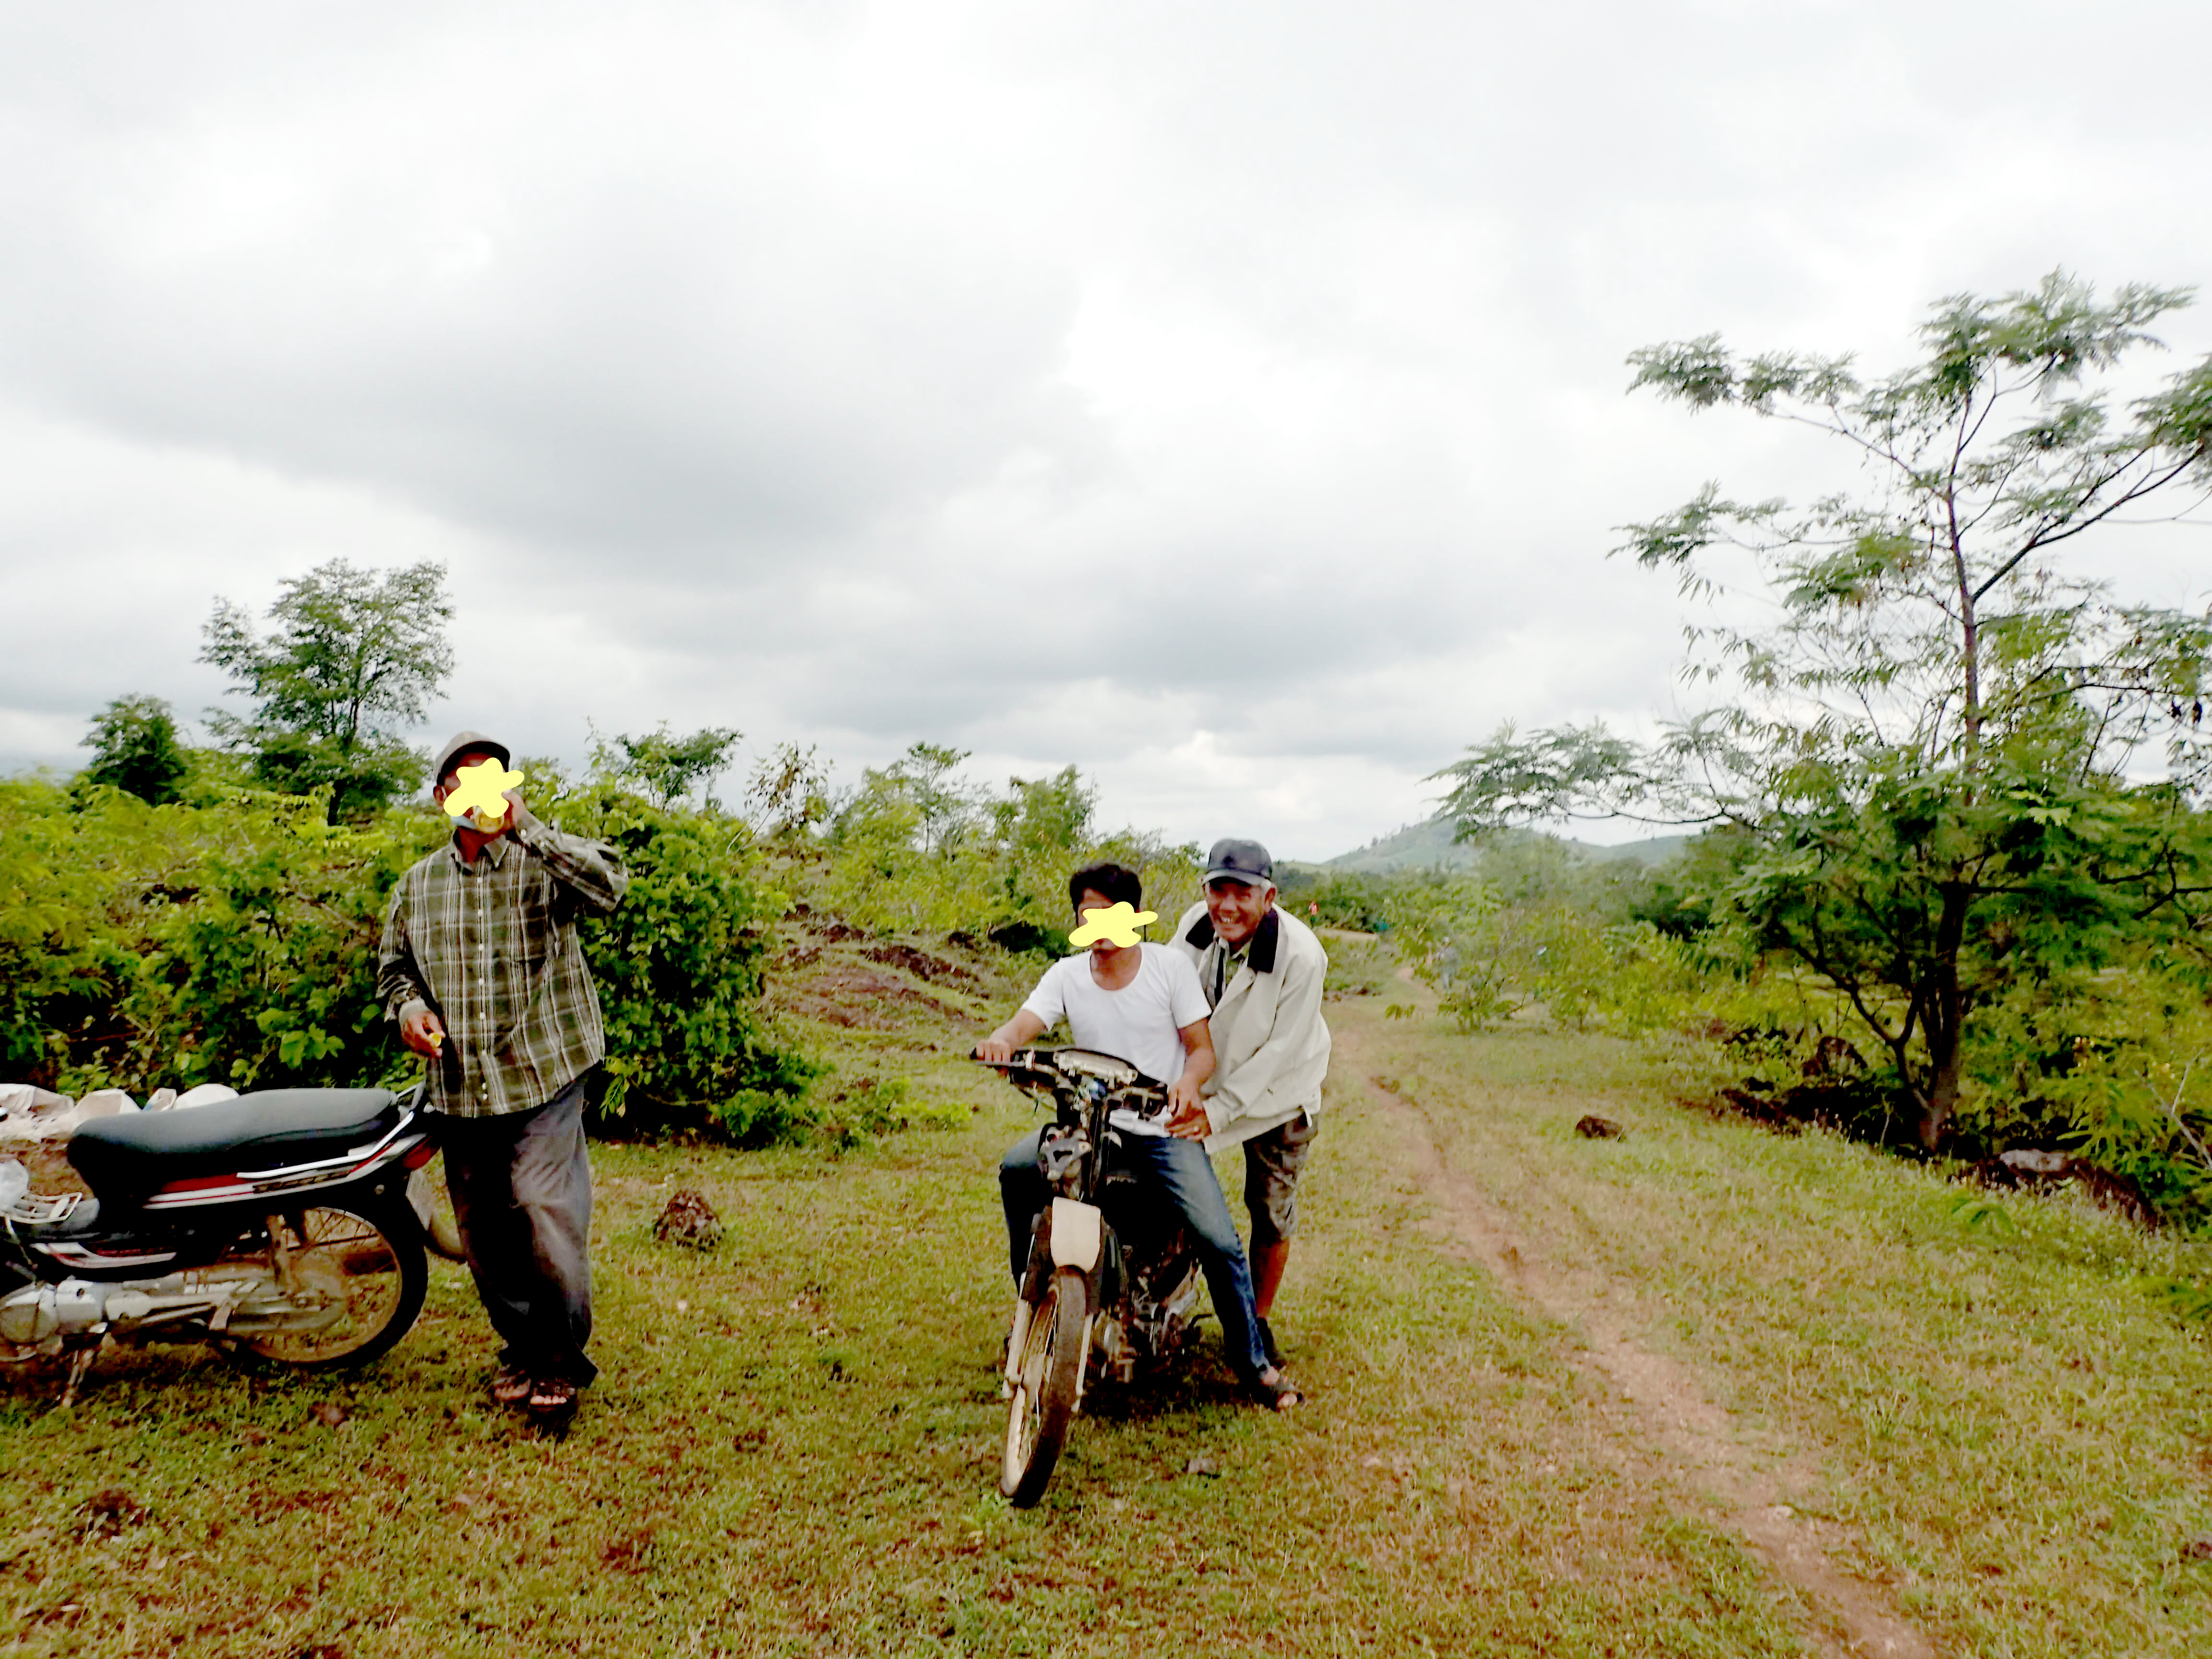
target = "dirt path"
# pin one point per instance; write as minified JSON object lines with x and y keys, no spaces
{"x":1658,"y":1401}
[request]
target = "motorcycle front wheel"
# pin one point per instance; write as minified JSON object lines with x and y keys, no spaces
{"x":1050,"y":1374}
{"x":363,"y":1277}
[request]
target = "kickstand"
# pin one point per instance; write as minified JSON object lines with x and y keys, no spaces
{"x":81,"y":1364}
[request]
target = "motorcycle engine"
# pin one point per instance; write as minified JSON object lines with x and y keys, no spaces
{"x":33,"y":1319}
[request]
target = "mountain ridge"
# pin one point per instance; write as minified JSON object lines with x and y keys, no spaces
{"x":1429,"y":846}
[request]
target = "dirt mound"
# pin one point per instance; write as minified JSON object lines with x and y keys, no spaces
{"x":854,"y":997}
{"x":924,"y":967}
{"x":823,"y":924}
{"x":2026,"y":1169}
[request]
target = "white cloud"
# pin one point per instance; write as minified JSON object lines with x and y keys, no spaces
{"x":1228,"y":400}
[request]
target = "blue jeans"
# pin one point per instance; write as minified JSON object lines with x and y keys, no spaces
{"x":1182,"y":1169}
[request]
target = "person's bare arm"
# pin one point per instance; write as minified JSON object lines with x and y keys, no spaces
{"x":1186,"y":1116}
{"x":998,"y":1049}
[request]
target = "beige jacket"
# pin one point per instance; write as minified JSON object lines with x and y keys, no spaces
{"x":1270,"y":1042}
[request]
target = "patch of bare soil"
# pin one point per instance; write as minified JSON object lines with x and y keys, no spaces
{"x":923,"y":966}
{"x":844,"y":993}
{"x":1660,"y":1403}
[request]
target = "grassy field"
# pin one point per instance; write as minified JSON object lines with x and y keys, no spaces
{"x":792,"y":1449}
{"x":2009,"y":1426}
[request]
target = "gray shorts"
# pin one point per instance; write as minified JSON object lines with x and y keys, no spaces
{"x":1272,"y":1162}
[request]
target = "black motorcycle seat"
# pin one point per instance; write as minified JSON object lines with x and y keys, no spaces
{"x":123,"y":1159}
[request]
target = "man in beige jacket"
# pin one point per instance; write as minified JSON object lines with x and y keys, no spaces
{"x":1262,"y":972}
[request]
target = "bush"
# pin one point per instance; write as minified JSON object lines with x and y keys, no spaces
{"x":232,"y":942}
{"x":911,"y":851}
{"x":679,"y":967}
{"x":232,"y":938}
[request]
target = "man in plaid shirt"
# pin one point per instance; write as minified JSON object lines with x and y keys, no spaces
{"x":481,"y":970}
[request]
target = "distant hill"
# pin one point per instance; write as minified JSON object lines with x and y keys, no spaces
{"x":1430,"y":847}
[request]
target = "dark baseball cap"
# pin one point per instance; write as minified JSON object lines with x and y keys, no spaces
{"x":1240,"y":861}
{"x":460,"y":744}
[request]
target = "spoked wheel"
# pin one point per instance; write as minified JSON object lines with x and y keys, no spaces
{"x":351,"y":1285}
{"x":1051,"y":1371}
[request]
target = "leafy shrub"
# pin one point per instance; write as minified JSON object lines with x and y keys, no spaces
{"x":679,"y":967}
{"x":2115,"y":1067}
{"x":232,"y":938}
{"x":913,"y":850}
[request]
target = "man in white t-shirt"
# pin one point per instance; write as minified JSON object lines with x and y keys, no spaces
{"x":1141,"y":1004}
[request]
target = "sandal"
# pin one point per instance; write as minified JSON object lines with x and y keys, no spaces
{"x":1275,"y":1391}
{"x":510,"y":1386}
{"x":552,"y":1397}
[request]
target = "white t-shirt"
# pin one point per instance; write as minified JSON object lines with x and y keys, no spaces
{"x":1142,"y":1023}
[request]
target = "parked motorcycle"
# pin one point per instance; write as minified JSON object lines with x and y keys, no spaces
{"x":1113,"y":1274}
{"x":280,"y":1223}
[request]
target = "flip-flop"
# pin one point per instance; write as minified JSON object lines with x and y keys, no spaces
{"x":552,"y":1397}
{"x":511,"y":1386}
{"x":1280,"y":1395}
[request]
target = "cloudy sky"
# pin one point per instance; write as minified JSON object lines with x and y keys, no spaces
{"x":1227,"y":398}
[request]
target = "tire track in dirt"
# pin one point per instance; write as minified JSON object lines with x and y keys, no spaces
{"x":1665,"y":1405}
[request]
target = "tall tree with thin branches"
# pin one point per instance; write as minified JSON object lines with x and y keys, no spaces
{"x":1955,"y":761}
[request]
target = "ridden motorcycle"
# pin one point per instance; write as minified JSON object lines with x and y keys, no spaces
{"x":1112,"y":1272}
{"x":282,"y":1223}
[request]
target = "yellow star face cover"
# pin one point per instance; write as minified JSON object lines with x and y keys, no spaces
{"x":479,"y":797}
{"x":1117,"y":925}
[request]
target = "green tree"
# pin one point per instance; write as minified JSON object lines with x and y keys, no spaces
{"x":355,"y":658}
{"x":789,"y":795}
{"x":668,"y":767}
{"x":134,"y":749}
{"x":1935,"y":756}
{"x":924,"y":776}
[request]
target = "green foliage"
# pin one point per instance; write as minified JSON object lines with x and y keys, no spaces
{"x":2113,"y":1066}
{"x":234,"y":940}
{"x":1933,"y":761}
{"x":847,"y":1113}
{"x":788,"y":798}
{"x":678,"y":966}
{"x":1356,"y":901}
{"x":1528,"y":920}
{"x":266,"y":975}
{"x":136,"y":749}
{"x":915,"y":849}
{"x":666,"y":767}
{"x":1449,"y":931}
{"x":58,"y":955}
{"x":231,"y":943}
{"x":1628,"y":977}
{"x":356,"y":657}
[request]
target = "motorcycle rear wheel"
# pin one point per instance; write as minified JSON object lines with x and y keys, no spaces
{"x":371,"y":1268}
{"x":1051,"y":1373}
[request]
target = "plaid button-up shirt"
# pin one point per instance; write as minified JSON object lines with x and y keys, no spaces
{"x":491,"y":947}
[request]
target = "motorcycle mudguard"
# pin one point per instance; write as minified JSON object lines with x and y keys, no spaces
{"x":1075,"y":1234}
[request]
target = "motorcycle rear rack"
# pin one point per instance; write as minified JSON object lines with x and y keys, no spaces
{"x":39,"y":1211}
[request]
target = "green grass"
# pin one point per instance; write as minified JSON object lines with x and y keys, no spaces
{"x":793,"y":1450}
{"x":2005,"y":1410}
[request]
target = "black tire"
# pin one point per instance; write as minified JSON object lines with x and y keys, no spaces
{"x":370,"y":1264}
{"x":1051,"y":1373}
